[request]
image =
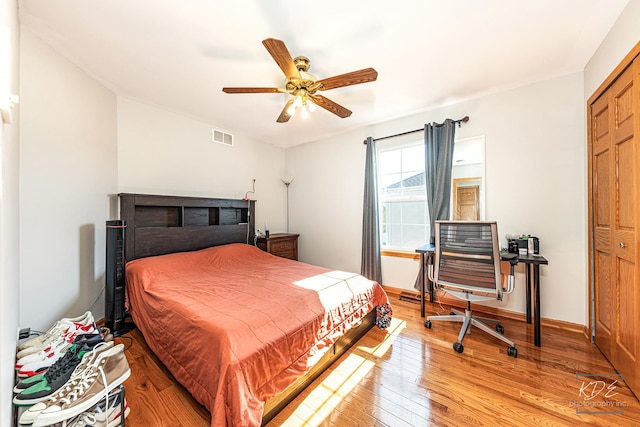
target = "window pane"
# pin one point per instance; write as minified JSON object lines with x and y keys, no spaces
{"x":413,"y":213}
{"x":386,"y":184}
{"x":394,"y":213}
{"x":413,"y":186}
{"x":394,"y":236}
{"x":413,"y":236}
{"x":389,"y":162}
{"x":413,"y":158}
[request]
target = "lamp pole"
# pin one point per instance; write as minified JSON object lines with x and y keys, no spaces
{"x":287,"y":182}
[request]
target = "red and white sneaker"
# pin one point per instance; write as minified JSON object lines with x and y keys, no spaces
{"x":36,"y":363}
{"x":40,"y":342}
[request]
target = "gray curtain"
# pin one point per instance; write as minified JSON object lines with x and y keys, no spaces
{"x":438,"y":159}
{"x":370,"y":262}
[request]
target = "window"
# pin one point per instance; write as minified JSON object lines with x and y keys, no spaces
{"x":404,"y":217}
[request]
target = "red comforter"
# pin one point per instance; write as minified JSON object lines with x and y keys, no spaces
{"x":236,"y":325}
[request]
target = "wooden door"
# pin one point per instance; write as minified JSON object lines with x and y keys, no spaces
{"x":615,"y":151}
{"x":466,"y":202}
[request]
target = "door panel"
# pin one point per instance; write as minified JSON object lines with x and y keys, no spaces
{"x":625,"y":199}
{"x":626,"y":336}
{"x":604,"y":303}
{"x":602,"y":197}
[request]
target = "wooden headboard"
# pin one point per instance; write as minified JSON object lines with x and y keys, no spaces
{"x":157,"y":225}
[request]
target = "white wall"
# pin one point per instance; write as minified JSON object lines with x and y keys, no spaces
{"x":535,"y":178}
{"x":160,"y":152}
{"x":9,"y":237}
{"x":624,"y":35}
{"x":326,"y":200}
{"x":68,"y":166}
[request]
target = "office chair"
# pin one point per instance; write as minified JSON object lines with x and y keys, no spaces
{"x":467,"y":266}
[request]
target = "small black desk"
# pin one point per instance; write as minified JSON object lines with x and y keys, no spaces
{"x":532,"y":267}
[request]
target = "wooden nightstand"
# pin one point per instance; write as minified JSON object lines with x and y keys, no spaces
{"x":284,"y":245}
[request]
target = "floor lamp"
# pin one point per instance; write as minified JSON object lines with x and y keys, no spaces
{"x":287,"y":182}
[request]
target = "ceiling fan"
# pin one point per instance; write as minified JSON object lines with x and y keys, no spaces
{"x":305,"y":86}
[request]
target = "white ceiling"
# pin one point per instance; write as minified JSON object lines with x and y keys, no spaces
{"x":178,"y":54}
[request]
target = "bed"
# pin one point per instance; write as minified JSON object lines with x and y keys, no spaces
{"x":242,"y":330}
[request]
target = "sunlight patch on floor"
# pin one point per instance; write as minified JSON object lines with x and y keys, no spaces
{"x":393,"y":331}
{"x":324,"y":399}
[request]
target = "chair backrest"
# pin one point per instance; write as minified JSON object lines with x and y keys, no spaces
{"x":467,"y":257}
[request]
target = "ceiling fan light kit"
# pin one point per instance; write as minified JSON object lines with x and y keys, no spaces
{"x":304,"y":86}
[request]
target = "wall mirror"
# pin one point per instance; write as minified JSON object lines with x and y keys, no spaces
{"x":467,"y":178}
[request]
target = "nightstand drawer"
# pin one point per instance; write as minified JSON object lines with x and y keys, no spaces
{"x":280,"y":244}
{"x":285,"y":246}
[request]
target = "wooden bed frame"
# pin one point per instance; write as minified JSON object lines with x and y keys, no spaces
{"x":157,"y":225}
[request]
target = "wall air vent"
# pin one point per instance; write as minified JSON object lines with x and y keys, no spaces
{"x":222,"y":137}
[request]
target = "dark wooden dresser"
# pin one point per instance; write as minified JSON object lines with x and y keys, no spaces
{"x":284,"y":245}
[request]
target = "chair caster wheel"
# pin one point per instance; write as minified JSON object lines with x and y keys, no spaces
{"x":457,"y":346}
{"x":512,"y":351}
{"x":427,"y":324}
{"x":500,"y":328}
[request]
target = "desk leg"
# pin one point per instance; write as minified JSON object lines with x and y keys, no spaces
{"x":422,"y":282}
{"x":527,"y":268}
{"x":536,"y":304}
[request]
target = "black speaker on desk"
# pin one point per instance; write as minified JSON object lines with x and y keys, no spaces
{"x":115,"y":313}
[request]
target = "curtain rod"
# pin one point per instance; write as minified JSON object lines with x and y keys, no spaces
{"x":458,"y":122}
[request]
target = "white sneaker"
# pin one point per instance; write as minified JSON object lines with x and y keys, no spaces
{"x":40,"y":342}
{"x":107,"y":371}
{"x":38,"y":362}
{"x":88,"y":359}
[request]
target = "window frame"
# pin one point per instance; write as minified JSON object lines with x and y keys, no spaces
{"x":394,"y":146}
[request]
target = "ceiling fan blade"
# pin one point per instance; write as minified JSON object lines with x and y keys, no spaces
{"x":348,"y":79}
{"x":284,"y":115}
{"x":281,"y":55}
{"x":252,"y":90}
{"x":330,"y":106}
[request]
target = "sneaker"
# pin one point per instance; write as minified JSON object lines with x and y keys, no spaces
{"x":85,"y":365}
{"x":99,"y":417}
{"x":31,"y":391}
{"x":107,"y":371}
{"x":66,"y":337}
{"x":67,"y":364}
{"x":36,"y":344}
{"x":38,"y":363}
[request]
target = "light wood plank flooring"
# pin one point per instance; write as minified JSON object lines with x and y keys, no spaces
{"x":410,"y":376}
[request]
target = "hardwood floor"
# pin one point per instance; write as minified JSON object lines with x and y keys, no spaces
{"x":411,"y":376}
